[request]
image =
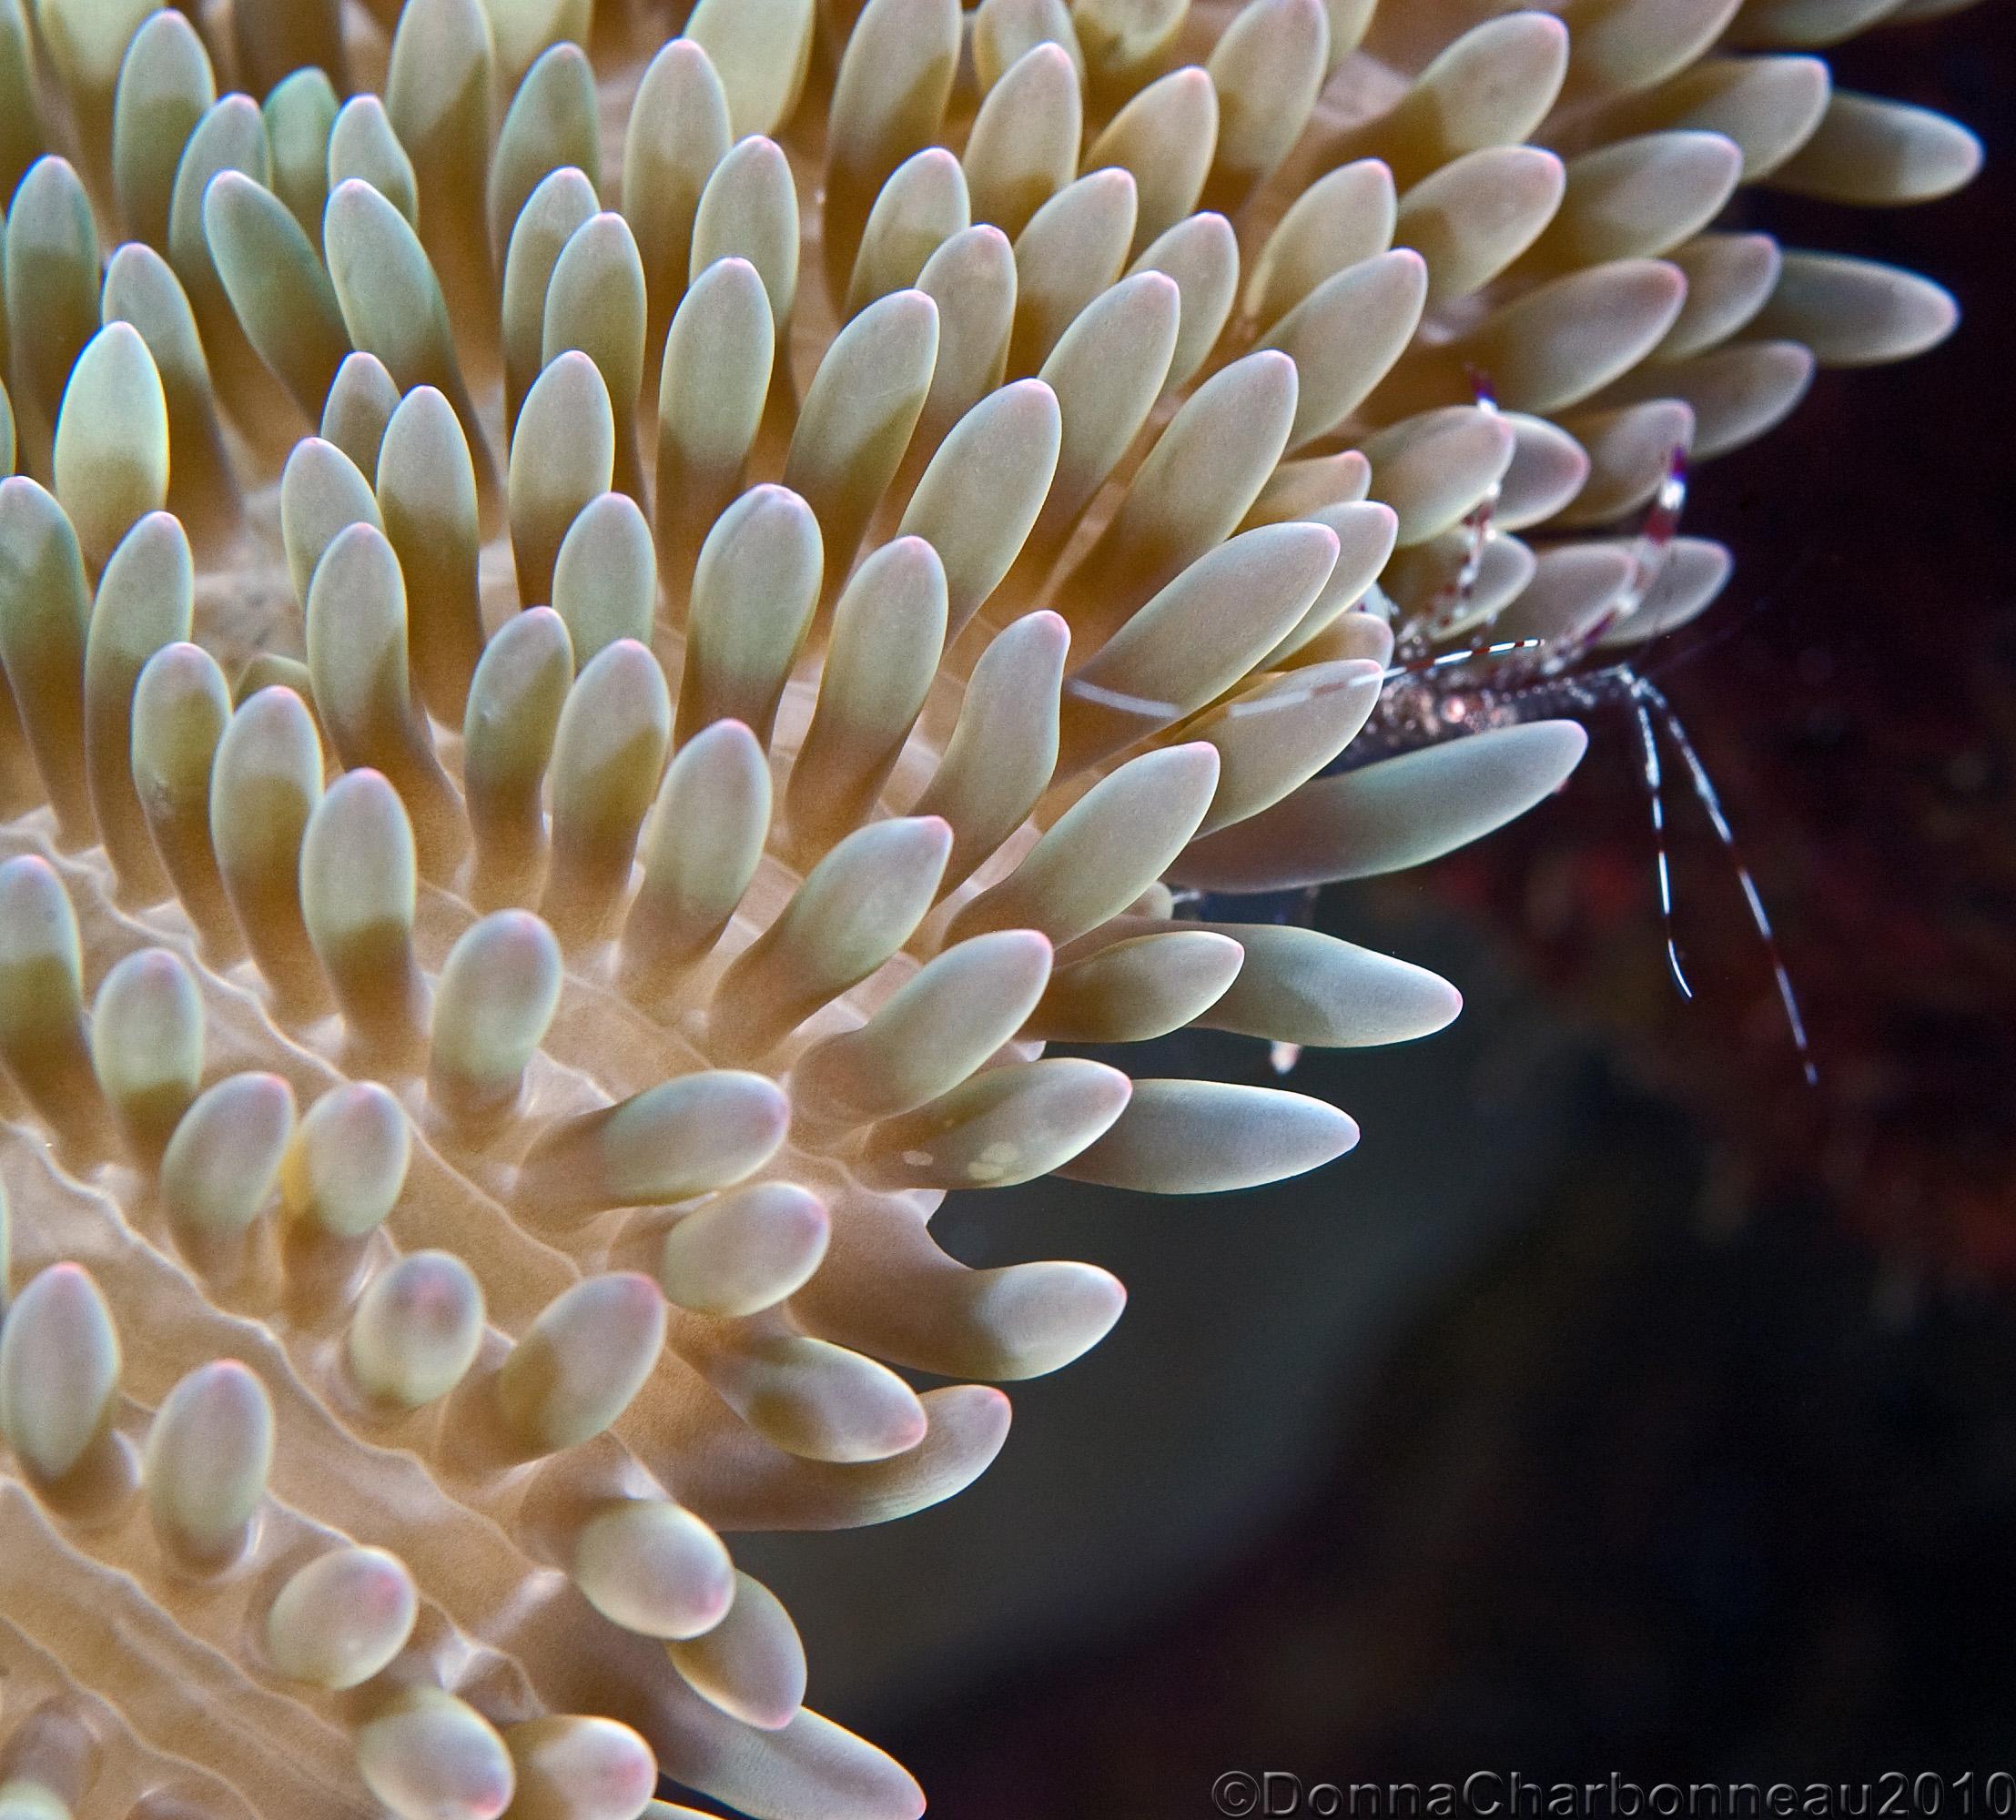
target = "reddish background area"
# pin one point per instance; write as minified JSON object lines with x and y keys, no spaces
{"x":1853,"y":696}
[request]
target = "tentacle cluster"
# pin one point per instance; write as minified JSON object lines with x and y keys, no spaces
{"x":461,"y":1161}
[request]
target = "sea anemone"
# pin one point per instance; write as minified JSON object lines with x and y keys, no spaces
{"x":496,"y":1159}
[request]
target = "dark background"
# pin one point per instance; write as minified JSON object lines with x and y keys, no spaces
{"x":1709,"y":1469}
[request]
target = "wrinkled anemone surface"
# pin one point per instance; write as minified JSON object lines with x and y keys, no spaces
{"x":605,"y":643}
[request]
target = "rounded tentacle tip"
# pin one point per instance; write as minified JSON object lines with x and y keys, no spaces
{"x":1046,"y":1315}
